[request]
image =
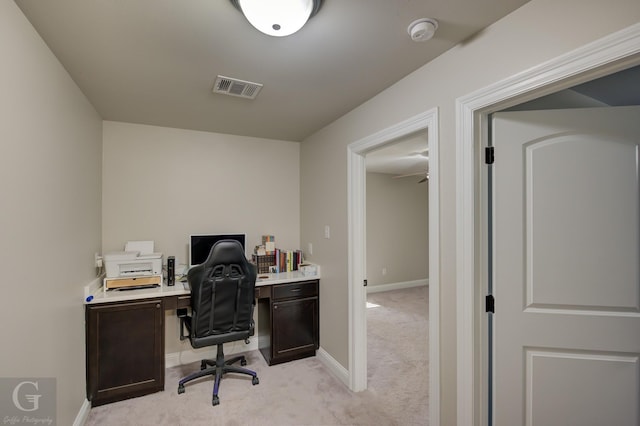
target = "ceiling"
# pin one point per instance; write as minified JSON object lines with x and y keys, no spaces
{"x":155,"y":61}
{"x":618,"y":89}
{"x":402,"y":156}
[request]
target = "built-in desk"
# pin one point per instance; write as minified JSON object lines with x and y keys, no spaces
{"x":125,"y":331}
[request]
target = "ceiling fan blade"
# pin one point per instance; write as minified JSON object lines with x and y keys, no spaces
{"x":409,"y":175}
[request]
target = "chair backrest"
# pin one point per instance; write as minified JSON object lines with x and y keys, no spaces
{"x":222,"y":291}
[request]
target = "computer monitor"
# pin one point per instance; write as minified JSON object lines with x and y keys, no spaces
{"x":200,"y":245}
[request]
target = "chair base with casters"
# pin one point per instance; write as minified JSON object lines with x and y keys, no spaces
{"x":219,"y":367}
{"x":222,"y":302}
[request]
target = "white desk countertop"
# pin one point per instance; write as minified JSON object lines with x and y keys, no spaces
{"x":180,"y":288}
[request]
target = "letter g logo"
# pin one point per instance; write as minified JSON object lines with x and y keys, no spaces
{"x":33,"y":399}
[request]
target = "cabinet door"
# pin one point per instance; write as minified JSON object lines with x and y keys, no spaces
{"x":125,"y":350}
{"x":295,"y":328}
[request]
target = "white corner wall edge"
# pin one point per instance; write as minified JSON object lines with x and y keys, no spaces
{"x":83,"y":414}
{"x":334,"y":366}
{"x":608,"y":54}
{"x":397,"y":286}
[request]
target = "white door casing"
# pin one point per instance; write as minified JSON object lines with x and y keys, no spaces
{"x":609,"y":54}
{"x":567,"y":282}
{"x":356,"y":151}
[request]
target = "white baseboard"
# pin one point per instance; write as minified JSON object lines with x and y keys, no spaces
{"x":334,"y":366}
{"x":193,"y":355}
{"x":397,"y":286}
{"x":83,"y":414}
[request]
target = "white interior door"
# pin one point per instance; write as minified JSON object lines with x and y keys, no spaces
{"x":566,"y":232}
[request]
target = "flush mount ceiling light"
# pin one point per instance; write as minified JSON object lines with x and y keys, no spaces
{"x":278,"y":18}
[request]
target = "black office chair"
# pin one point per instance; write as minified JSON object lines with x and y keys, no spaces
{"x":222,"y":301}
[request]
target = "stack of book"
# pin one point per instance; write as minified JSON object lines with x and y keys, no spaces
{"x":264,"y":255}
{"x":264,"y":262}
{"x":268,"y":258}
{"x":287,"y":260}
{"x":269,"y":243}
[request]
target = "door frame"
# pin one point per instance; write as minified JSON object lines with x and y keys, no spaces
{"x":356,"y":177}
{"x":609,"y":54}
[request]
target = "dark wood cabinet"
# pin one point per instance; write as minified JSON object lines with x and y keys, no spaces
{"x":125,"y":338}
{"x":125,"y":350}
{"x":288,"y":321}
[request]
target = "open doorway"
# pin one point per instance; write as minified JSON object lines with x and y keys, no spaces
{"x":426,"y":123}
{"x":397,"y":253}
{"x":397,"y":204}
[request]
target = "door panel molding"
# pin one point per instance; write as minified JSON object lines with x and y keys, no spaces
{"x":597,"y":371}
{"x":545,"y":186}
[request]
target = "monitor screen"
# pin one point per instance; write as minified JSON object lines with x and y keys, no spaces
{"x":200,"y":245}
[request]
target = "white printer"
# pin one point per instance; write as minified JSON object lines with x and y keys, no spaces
{"x":137,"y":266}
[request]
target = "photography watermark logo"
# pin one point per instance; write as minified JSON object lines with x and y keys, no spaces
{"x":28,"y":401}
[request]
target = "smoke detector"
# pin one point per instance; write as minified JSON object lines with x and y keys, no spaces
{"x":422,"y":29}
{"x":234,"y":87}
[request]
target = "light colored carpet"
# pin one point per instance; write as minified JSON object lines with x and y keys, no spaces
{"x":304,"y":392}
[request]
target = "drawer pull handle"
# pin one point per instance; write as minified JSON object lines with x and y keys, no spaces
{"x":294,"y":290}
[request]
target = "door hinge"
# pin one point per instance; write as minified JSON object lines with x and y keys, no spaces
{"x":365,"y":283}
{"x":489,"y":155}
{"x":490,"y":304}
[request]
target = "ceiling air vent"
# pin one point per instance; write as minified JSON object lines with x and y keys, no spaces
{"x":234,"y":87}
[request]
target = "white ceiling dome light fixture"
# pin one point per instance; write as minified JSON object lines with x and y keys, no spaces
{"x":422,"y":29}
{"x":278,"y":18}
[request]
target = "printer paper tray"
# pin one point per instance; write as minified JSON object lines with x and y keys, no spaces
{"x":119,"y":283}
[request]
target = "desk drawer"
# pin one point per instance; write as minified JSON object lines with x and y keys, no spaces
{"x":184,"y":301}
{"x":176,"y":302}
{"x":263,"y":292}
{"x":295,"y":290}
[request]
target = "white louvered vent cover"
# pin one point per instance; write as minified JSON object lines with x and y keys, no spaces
{"x":234,"y":87}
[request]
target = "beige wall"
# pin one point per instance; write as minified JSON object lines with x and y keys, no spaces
{"x":397,"y":229}
{"x":50,"y":171}
{"x":537,"y":32}
{"x":164,"y":184}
